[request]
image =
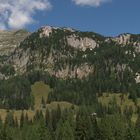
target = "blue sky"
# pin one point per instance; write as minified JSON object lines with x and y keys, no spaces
{"x":107,"y":17}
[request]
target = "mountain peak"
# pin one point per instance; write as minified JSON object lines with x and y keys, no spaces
{"x":47,"y":30}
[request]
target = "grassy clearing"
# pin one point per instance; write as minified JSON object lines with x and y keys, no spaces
{"x":122,"y":101}
{"x":39,"y":90}
{"x":63,"y":105}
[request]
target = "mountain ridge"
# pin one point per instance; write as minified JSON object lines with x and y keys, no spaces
{"x":55,"y":50}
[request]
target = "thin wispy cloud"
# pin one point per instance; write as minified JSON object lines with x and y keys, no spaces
{"x":19,"y":13}
{"x":93,"y":3}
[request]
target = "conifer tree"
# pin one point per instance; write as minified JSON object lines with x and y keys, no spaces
{"x":137,"y":128}
{"x":43,"y":133}
{"x":9,"y":120}
{"x":48,"y":119}
{"x":64,"y":131}
{"x":130,"y":134}
{"x":4,"y":135}
{"x":22,"y":119}
{"x":82,"y":126}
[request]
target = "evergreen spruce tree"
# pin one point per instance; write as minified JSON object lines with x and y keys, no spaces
{"x":43,"y":132}
{"x":16,"y":122}
{"x":137,"y":128}
{"x":48,"y":120}
{"x":106,"y":130}
{"x":22,"y":119}
{"x":95,"y":132}
{"x":9,"y":120}
{"x":64,"y":131}
{"x":130,"y":134}
{"x":4,"y":135}
{"x":82,"y":128}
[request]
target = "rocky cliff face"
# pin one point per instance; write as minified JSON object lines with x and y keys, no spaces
{"x":51,"y":49}
{"x":65,"y":52}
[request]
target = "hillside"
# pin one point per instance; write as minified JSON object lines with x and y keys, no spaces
{"x":9,"y":40}
{"x":61,"y":83}
{"x":110,"y":64}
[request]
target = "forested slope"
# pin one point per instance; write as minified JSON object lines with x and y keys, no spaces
{"x":83,"y":70}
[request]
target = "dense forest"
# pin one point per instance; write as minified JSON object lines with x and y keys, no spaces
{"x":71,"y":125}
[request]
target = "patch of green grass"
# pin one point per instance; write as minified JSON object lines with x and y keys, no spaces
{"x":138,"y":102}
{"x":107,"y":98}
{"x":39,"y":91}
{"x":134,"y":118}
{"x":122,"y":101}
{"x":63,"y":105}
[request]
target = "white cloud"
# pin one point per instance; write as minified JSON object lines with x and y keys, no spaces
{"x":19,"y":13}
{"x":94,"y":3}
